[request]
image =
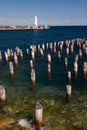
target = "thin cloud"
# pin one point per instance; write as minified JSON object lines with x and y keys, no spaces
{"x":1,"y":19}
{"x":68,"y":22}
{"x":20,"y":21}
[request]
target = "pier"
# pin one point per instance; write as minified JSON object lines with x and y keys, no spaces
{"x":24,"y":27}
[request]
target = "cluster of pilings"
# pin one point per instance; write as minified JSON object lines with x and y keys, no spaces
{"x":11,"y":58}
{"x":76,"y":47}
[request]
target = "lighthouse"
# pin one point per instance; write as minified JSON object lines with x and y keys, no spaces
{"x":35,"y":20}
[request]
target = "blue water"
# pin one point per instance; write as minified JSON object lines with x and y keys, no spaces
{"x":21,"y":85}
{"x":25,"y":37}
{"x":21,"y":96}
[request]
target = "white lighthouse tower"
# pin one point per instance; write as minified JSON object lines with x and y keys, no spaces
{"x":35,"y":20}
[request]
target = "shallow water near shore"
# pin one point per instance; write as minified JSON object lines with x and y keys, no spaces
{"x":50,"y":91}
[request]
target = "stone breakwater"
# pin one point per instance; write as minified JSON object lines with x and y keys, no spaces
{"x":24,"y":27}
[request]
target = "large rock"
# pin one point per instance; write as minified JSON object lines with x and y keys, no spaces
{"x":6,"y":122}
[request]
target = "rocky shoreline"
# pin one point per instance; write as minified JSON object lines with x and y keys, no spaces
{"x":57,"y":115}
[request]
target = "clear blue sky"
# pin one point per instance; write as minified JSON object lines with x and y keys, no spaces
{"x":52,"y":12}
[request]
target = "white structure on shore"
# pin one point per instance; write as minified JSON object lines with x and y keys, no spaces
{"x":35,"y":20}
{"x":26,"y":27}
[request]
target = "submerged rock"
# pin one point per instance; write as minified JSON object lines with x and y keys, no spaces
{"x":24,"y":123}
{"x":7,"y":110}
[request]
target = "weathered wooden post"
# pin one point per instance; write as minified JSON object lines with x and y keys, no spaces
{"x":17,"y":51}
{"x":38,"y":48}
{"x":11,"y":68}
{"x":0,"y":56}
{"x":32,"y":54}
{"x":34,"y":48}
{"x":47,"y":46}
{"x":54,"y":44}
{"x":61,"y":45}
{"x":31,"y":64}
{"x":43,"y":47}
{"x":75,"y":68}
{"x":69,"y":77}
{"x":66,"y":62}
{"x":68,"y":92}
{"x":49,"y":69}
{"x":86,"y":50}
{"x":67,"y":51}
{"x":80,"y":53}
{"x":8,"y":52}
{"x":49,"y":58}
{"x":20,"y":54}
{"x":2,"y":94}
{"x":51,"y":46}
{"x":54,"y":47}
{"x":83,"y":47}
{"x":76,"y":58}
{"x":11,"y":53}
{"x":15,"y":59}
{"x":54,"y":50}
{"x":72,"y":48}
{"x":27,"y":51}
{"x":33,"y":77}
{"x":6,"y":57}
{"x":38,"y":115}
{"x":59,"y":55}
{"x":41,"y":52}
{"x":85,"y":68}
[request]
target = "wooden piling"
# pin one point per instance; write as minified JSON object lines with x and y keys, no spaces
{"x":6,"y":57}
{"x":11,"y":68}
{"x":2,"y":94}
{"x":75,"y":68}
{"x":67,"y":51}
{"x":80,"y":53}
{"x":59,"y":55}
{"x":68,"y":93}
{"x":20,"y":54}
{"x":66,"y":62}
{"x":51,"y":46}
{"x":85,"y":69}
{"x":41,"y":52}
{"x":43,"y":47}
{"x":47,"y":46}
{"x":33,"y":77}
{"x":49,"y":69}
{"x":15,"y":59}
{"x":49,"y":58}
{"x":32,"y":55}
{"x":72,"y":49}
{"x":27,"y":51}
{"x":69,"y":77}
{"x":0,"y":57}
{"x":31,"y":64}
{"x":38,"y":115}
